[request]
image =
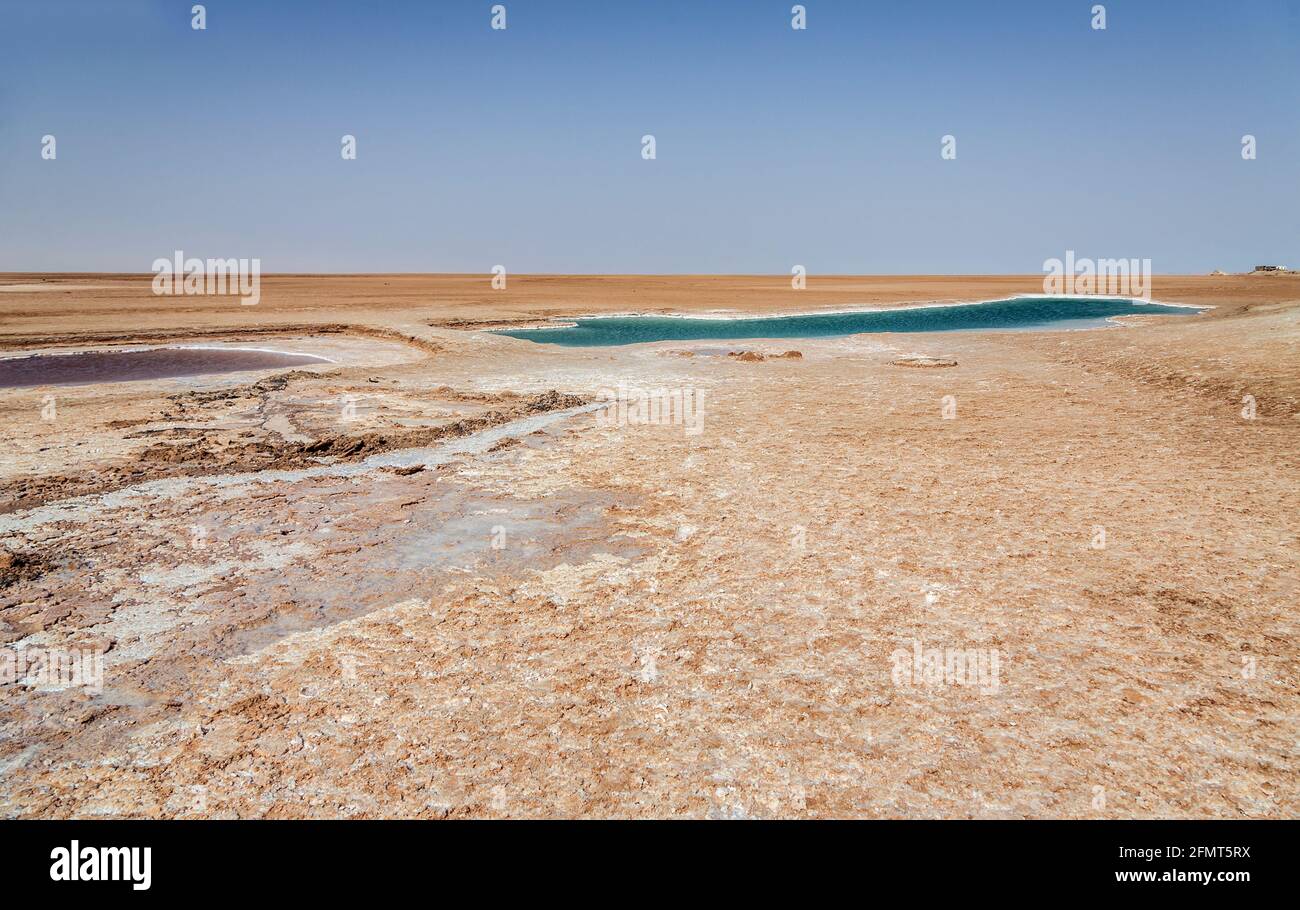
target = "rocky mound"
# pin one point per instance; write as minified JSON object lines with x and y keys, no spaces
{"x":756,"y":357}
{"x":924,"y":362}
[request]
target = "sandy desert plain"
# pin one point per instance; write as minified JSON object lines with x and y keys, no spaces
{"x":539,"y":616}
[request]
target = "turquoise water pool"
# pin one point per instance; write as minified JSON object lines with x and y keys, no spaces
{"x":1016,"y":314}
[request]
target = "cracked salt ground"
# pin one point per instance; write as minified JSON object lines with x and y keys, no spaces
{"x":256,"y":580}
{"x":233,"y":486}
{"x":724,"y":670}
{"x":449,"y":530}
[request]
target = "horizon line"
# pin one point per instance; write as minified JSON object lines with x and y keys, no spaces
{"x":786,"y":275}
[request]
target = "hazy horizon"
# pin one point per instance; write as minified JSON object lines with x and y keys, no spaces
{"x":783,"y":277}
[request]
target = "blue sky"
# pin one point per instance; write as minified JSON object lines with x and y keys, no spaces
{"x":774,"y":147}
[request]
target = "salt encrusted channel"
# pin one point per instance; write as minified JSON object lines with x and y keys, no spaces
{"x":230,"y":486}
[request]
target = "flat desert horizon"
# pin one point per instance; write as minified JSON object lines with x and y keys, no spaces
{"x":426,"y":575}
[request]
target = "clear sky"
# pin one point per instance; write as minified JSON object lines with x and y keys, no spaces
{"x":775,"y":147}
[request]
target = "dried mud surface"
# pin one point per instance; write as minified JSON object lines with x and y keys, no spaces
{"x":536,"y":614}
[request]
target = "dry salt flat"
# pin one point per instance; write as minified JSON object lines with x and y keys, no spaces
{"x":557,"y":617}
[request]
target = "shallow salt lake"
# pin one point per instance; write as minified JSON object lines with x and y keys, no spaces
{"x":85,"y":367}
{"x":1018,"y":314}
